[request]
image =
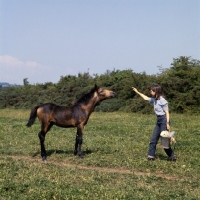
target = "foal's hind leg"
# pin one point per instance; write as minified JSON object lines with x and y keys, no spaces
{"x":41,"y":136}
{"x":78,"y":142}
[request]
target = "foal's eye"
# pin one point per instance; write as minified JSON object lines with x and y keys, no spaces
{"x":100,"y":91}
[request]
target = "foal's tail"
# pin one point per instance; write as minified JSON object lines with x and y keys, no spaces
{"x":32,"y":117}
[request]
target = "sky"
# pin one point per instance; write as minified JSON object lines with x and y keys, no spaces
{"x":42,"y":40}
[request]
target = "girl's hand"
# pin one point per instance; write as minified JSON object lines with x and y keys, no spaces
{"x":135,"y":90}
{"x":168,"y":127}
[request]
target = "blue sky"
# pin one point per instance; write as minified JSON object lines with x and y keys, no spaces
{"x":43,"y":40}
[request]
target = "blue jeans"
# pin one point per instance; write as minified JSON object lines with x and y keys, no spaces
{"x":160,"y":126}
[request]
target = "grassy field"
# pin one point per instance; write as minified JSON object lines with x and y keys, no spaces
{"x":114,"y":166}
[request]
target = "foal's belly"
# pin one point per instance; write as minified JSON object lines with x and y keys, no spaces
{"x":65,"y":123}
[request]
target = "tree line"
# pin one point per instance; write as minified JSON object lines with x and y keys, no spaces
{"x":180,"y":83}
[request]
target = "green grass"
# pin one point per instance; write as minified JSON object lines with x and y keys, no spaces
{"x":114,"y":166}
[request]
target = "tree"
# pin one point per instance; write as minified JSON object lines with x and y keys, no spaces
{"x":25,"y":81}
{"x":180,"y":83}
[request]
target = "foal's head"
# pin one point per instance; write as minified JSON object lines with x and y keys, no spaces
{"x":96,"y":92}
{"x":104,"y":93}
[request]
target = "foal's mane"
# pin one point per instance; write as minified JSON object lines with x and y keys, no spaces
{"x":86,"y":97}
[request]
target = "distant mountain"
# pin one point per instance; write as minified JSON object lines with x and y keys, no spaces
{"x":4,"y":84}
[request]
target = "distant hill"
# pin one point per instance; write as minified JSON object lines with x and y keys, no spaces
{"x":4,"y":84}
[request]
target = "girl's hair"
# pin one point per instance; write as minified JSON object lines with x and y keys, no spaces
{"x":158,"y":91}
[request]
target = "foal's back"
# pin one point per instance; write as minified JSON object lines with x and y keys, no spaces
{"x":63,"y":116}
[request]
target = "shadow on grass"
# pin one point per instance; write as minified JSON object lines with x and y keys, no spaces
{"x":53,"y":151}
{"x":161,"y":157}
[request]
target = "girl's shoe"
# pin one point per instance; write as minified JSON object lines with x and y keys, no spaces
{"x":150,"y":158}
{"x":172,"y":158}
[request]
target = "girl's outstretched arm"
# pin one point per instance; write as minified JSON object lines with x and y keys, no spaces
{"x":142,"y":95}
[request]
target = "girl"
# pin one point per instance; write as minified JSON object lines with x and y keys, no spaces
{"x":162,"y":112}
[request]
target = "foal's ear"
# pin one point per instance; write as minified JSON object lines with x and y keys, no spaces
{"x":95,"y":86}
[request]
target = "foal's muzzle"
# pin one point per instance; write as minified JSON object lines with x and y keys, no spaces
{"x":113,"y":94}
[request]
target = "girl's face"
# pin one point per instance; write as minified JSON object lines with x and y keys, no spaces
{"x":152,"y":93}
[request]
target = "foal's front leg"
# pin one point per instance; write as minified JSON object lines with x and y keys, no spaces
{"x":78,"y":142}
{"x":41,"y":136}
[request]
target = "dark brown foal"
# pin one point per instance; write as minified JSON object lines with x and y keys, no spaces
{"x":75,"y":115}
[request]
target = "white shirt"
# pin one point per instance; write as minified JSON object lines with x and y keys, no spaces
{"x":160,"y":105}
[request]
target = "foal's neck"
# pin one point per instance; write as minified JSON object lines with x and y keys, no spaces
{"x":89,"y":108}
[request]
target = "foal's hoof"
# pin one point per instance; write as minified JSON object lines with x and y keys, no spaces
{"x":75,"y":152}
{"x":44,"y":159}
{"x":80,"y":156}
